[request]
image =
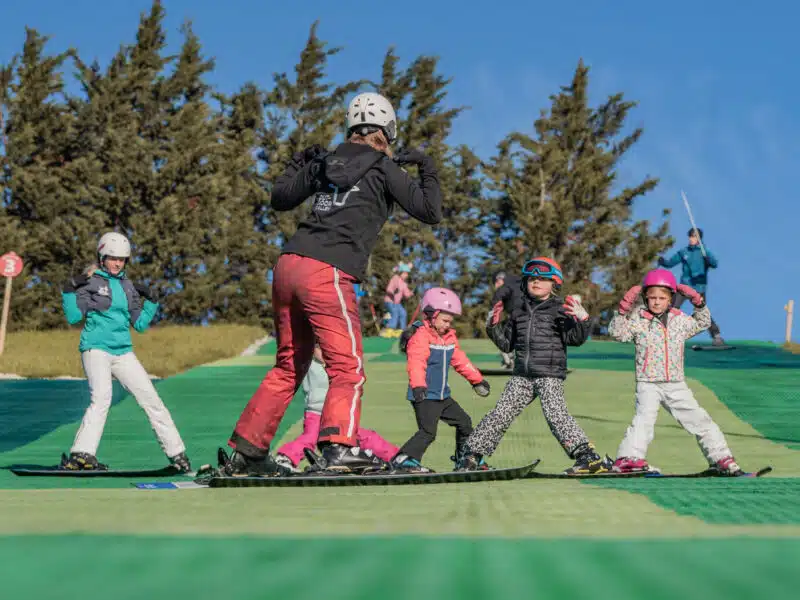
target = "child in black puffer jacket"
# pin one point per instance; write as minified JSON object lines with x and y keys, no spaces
{"x":538,"y":334}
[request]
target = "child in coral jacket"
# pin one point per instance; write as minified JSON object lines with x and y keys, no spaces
{"x":432,"y":349}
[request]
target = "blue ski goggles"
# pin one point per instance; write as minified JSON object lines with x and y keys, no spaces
{"x":540,"y":268}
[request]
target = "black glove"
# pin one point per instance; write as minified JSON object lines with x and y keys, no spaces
{"x":419,"y":394}
{"x":144,"y":291}
{"x":707,"y":261}
{"x":313,"y":152}
{"x":482,"y":388}
{"x":74,"y":283}
{"x":413,"y":157}
{"x":305,"y":156}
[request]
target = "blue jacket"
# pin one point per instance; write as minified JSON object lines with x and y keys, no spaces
{"x":695,"y":266}
{"x":111,"y":305}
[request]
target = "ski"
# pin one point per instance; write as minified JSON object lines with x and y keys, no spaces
{"x":710,"y":347}
{"x":55,"y":471}
{"x":330,"y":479}
{"x":536,"y":475}
{"x":710,"y":473}
{"x":645,"y":475}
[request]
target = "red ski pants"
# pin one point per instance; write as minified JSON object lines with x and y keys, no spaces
{"x":310,"y":299}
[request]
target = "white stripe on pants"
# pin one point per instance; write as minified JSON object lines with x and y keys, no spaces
{"x":679,"y":401}
{"x":99,"y":367}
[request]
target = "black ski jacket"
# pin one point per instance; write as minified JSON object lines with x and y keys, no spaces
{"x":538,"y":332}
{"x":355,"y":189}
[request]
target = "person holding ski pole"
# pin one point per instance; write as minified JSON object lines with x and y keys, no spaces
{"x":695,"y":260}
{"x":354,"y":189}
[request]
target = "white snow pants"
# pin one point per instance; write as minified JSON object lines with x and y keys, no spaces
{"x":100,"y":367}
{"x":679,"y":401}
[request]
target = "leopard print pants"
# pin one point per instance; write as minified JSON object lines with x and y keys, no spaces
{"x":519,"y":393}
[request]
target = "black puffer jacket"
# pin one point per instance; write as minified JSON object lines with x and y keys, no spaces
{"x":538,"y":332}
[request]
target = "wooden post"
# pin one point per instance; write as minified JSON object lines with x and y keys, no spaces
{"x":789,"y":308}
{"x":4,"y":320}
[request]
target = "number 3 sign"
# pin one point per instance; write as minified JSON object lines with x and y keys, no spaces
{"x":10,"y":267}
{"x":11,"y":264}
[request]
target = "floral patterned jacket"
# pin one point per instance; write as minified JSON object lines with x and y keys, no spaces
{"x":659,"y":347}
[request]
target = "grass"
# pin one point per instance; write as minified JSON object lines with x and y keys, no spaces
{"x":164,"y":351}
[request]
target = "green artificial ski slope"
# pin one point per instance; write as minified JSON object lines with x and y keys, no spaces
{"x":712,"y":538}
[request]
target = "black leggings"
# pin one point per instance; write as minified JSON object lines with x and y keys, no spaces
{"x":429,"y":413}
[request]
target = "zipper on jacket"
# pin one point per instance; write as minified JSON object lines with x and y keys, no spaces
{"x":528,"y":339}
{"x":444,"y":373}
{"x":666,"y":348}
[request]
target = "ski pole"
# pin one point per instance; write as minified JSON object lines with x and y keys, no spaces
{"x":694,"y":226}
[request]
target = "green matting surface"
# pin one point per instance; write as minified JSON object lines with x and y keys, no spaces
{"x":302,"y":569}
{"x":712,"y":538}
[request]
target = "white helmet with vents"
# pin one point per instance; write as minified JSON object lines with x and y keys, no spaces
{"x":370,"y":109}
{"x":115,"y":245}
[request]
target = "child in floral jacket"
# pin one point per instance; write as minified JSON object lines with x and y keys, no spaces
{"x":659,"y":333}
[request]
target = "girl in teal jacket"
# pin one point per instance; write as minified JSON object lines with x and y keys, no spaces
{"x":110,"y":304}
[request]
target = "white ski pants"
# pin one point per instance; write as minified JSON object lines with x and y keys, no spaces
{"x":679,"y":401}
{"x":100,"y":367}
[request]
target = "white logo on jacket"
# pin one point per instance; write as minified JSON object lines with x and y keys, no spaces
{"x":104,"y":290}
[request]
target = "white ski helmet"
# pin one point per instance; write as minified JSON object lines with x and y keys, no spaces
{"x":113,"y":244}
{"x":372,"y":109}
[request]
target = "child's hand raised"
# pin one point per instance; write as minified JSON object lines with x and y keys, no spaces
{"x":628,"y":300}
{"x":574,"y":308}
{"x":694,"y":296}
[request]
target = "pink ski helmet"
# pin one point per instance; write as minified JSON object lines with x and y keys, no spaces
{"x":660,"y":278}
{"x":441,"y":299}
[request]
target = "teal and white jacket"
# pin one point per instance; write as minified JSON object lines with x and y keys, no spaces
{"x":111,"y":306}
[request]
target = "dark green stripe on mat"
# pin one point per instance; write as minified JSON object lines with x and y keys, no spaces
{"x":397,"y":568}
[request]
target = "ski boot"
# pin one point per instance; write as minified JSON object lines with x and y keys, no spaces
{"x":469,"y":461}
{"x":286,"y":462}
{"x":717,"y":340}
{"x":727,"y":466}
{"x":241,"y":465}
{"x":81,"y":461}
{"x":350,"y":459}
{"x":588,"y":461}
{"x":181,"y":462}
{"x":632,"y":465}
{"x":403,"y":463}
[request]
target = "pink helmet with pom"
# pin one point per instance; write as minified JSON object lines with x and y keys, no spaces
{"x":660,"y":278}
{"x":441,"y":299}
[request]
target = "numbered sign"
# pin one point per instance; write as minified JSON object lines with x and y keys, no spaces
{"x":10,"y":264}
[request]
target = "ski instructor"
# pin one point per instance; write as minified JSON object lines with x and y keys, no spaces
{"x":354,"y":190}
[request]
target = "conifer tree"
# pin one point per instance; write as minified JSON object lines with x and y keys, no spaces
{"x":299,"y":113}
{"x":558,"y":193}
{"x":44,"y":213}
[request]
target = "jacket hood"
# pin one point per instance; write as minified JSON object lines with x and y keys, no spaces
{"x":349,"y":162}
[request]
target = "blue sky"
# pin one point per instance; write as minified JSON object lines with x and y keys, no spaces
{"x":713,"y":79}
